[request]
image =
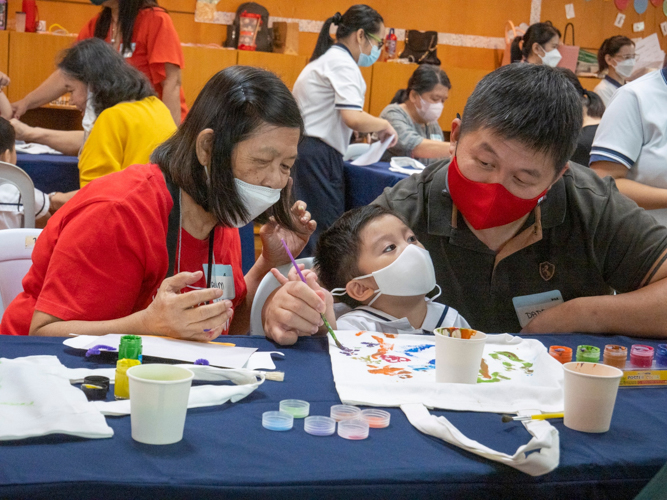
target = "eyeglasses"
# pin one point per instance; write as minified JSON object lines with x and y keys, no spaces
{"x":627,"y":56}
{"x":379,"y":41}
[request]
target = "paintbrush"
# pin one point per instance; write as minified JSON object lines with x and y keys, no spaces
{"x":326,"y":323}
{"x":526,"y":418}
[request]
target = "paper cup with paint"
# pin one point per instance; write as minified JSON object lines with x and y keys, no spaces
{"x":590,"y":394}
{"x":158,"y":402}
{"x":458,"y":355}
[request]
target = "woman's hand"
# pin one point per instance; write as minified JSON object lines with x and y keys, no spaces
{"x":271,"y":233}
{"x":19,"y":108}
{"x":388,"y":131}
{"x":294,"y":310}
{"x":4,"y":80}
{"x":177,"y":315}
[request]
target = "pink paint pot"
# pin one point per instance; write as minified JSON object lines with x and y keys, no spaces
{"x":641,"y":356}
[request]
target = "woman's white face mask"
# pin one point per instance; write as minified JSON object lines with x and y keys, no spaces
{"x":551,"y":58}
{"x":411,"y":274}
{"x":430,"y":111}
{"x":89,"y":115}
{"x":256,"y":199}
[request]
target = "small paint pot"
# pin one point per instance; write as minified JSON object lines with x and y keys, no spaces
{"x":641,"y":356}
{"x":354,"y":429}
{"x":319,"y":425}
{"x":95,"y":387}
{"x":378,"y":419}
{"x":344,"y":412}
{"x":661,"y":356}
{"x":295,"y":407}
{"x":588,"y":354}
{"x":277,"y":420}
{"x":561,"y":353}
{"x":615,"y":355}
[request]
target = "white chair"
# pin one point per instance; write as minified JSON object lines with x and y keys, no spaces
{"x":266,"y":287}
{"x":23,"y":182}
{"x":354,"y":151}
{"x":15,"y":259}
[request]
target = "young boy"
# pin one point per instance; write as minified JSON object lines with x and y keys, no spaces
{"x":373,"y":261}
{"x":11,"y":208}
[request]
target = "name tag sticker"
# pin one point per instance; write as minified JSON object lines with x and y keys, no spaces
{"x":528,"y":307}
{"x":436,"y":137}
{"x":223,"y":278}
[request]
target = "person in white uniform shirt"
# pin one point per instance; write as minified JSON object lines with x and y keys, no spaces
{"x":538,"y":46}
{"x":330,"y":92}
{"x":372,"y":260}
{"x":631,"y":143}
{"x":617,"y":57}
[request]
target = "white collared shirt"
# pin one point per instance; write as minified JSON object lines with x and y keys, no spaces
{"x":373,"y":320}
{"x":330,"y":83}
{"x":633,"y":130}
{"x":606,"y":89}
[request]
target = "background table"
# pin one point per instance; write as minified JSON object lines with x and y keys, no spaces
{"x":51,"y":173}
{"x":226,"y":453}
{"x":364,"y":184}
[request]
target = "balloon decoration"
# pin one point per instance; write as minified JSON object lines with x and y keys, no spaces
{"x":622,"y":4}
{"x":656,"y":2}
{"x":641,"y":6}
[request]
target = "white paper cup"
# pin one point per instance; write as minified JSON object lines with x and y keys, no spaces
{"x":590,"y":394}
{"x":158,"y":402}
{"x":458,"y":360}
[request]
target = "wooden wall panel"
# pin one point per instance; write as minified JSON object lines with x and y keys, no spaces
{"x":32,"y":59}
{"x":287,"y":67}
{"x":201,"y":64}
{"x":4,"y":52}
{"x":594,"y":20}
{"x":472,"y":17}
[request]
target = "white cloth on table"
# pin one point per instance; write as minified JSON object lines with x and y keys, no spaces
{"x":516,"y":376}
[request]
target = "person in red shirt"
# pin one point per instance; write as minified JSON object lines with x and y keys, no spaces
{"x":100,"y":264}
{"x":145,"y":35}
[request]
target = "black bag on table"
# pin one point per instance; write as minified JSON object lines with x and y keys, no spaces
{"x":264,"y":40}
{"x":421,"y":47}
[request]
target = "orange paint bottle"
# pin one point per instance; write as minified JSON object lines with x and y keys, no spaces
{"x":561,"y":353}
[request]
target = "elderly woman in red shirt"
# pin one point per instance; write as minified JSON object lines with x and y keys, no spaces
{"x":120,"y":254}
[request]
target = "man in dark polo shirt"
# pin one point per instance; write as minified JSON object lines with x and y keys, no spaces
{"x":507,"y":219}
{"x":521,"y":239}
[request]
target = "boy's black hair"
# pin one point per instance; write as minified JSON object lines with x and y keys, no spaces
{"x":533,"y":104}
{"x":7,"y":136}
{"x":338,"y":249}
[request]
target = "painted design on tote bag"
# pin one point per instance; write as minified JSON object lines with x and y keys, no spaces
{"x":400,"y":359}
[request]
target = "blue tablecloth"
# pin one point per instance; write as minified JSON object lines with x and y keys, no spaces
{"x":51,"y":173}
{"x":364,"y":184}
{"x":226,"y":453}
{"x":60,"y":173}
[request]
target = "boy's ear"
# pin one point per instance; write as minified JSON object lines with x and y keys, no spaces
{"x":359,"y":291}
{"x":6,"y":156}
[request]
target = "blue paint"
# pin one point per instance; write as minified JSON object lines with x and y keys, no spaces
{"x":416,"y":349}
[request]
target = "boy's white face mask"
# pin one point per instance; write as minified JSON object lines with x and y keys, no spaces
{"x":411,"y":274}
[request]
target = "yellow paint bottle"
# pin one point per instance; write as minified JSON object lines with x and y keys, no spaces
{"x":122,"y":384}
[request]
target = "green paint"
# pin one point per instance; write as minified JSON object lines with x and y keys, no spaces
{"x":17,"y":404}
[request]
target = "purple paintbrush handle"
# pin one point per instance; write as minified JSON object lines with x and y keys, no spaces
{"x":296,"y":266}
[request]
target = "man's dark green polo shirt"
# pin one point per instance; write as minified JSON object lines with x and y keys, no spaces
{"x":584,"y":239}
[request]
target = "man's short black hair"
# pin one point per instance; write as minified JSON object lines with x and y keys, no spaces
{"x":7,"y":136}
{"x":338,"y":249}
{"x":533,"y":104}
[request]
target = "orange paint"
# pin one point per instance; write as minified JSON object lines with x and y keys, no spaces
{"x":484,"y":368}
{"x":382,"y":349}
{"x":388,"y":370}
{"x":359,"y":333}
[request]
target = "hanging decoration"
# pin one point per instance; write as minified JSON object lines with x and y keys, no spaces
{"x":641,"y":6}
{"x":622,"y":4}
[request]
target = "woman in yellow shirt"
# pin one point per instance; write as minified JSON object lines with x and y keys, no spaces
{"x":123,"y":122}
